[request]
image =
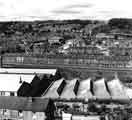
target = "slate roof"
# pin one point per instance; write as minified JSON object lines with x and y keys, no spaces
{"x":24,"y":103}
{"x":28,"y":71}
{"x":11,"y":82}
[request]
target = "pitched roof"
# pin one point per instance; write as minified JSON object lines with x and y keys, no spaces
{"x":69,"y":90}
{"x":28,"y":71}
{"x":84,"y":90}
{"x":117,"y":90}
{"x":129,"y":92}
{"x":100,"y":90}
{"x":11,"y":82}
{"x":24,"y":103}
{"x":90,"y":89}
{"x":52,"y":90}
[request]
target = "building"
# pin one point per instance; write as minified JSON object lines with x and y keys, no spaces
{"x":104,"y":36}
{"x":86,"y":117}
{"x":27,"y":108}
{"x":70,"y":90}
{"x":117,"y":90}
{"x":40,"y":47}
{"x":55,"y":39}
{"x":98,"y":88}
{"x":92,"y":98}
{"x":10,"y":83}
{"x":55,"y":89}
{"x":27,"y":71}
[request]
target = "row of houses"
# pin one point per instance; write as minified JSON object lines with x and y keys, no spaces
{"x":15,"y":103}
{"x":113,"y":39}
{"x":113,"y":35}
{"x":77,"y":60}
{"x":34,"y":97}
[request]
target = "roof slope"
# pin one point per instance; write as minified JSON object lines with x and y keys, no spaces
{"x":100,"y":90}
{"x":24,"y":90}
{"x":128,"y":92}
{"x":69,"y":90}
{"x":117,"y":90}
{"x":11,"y":82}
{"x":84,"y":91}
{"x":28,"y":71}
{"x":52,"y":90}
{"x":23,"y":103}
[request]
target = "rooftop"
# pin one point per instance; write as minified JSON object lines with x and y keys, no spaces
{"x":100,"y":89}
{"x":28,"y":71}
{"x":12,"y":82}
{"x":84,"y":91}
{"x":24,"y":104}
{"x":69,"y":90}
{"x":52,"y":90}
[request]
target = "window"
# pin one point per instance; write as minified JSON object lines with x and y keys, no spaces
{"x":2,"y":93}
{"x":20,"y":59}
{"x":12,"y":94}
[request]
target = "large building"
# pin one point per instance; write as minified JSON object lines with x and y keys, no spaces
{"x":27,"y":108}
{"x":92,"y":98}
{"x":9,"y":85}
{"x":100,"y":88}
{"x":22,"y":82}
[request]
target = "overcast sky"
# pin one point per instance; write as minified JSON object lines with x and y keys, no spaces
{"x":64,"y":9}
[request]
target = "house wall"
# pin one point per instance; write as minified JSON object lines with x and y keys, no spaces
{"x":9,"y":114}
{"x":27,"y":115}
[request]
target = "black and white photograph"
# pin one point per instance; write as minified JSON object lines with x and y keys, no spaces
{"x":65,"y":60}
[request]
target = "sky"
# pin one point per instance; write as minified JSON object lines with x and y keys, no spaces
{"x":29,"y":10}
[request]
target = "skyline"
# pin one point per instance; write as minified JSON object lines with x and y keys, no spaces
{"x":28,"y":10}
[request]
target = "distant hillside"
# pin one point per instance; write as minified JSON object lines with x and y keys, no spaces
{"x":12,"y":27}
{"x":123,"y":25}
{"x":120,"y":23}
{"x":12,"y":34}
